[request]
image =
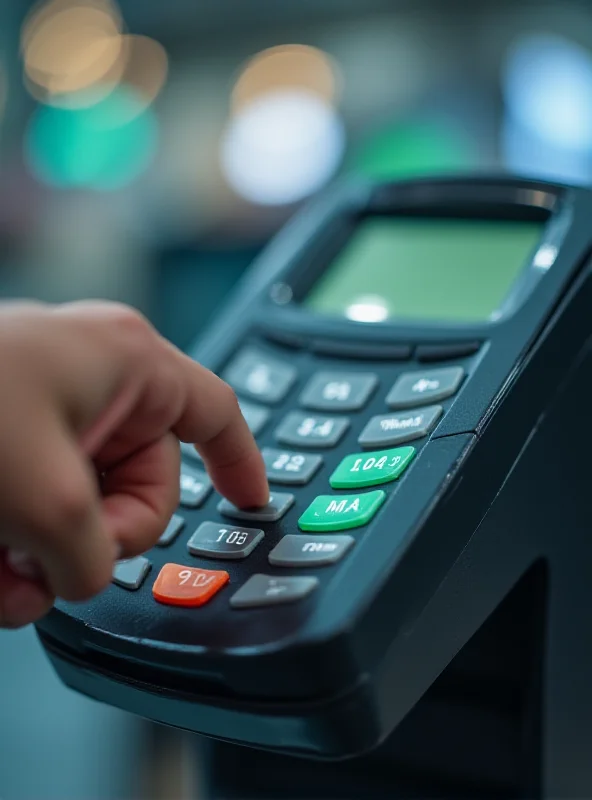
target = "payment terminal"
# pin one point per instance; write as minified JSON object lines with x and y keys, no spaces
{"x":412,"y":358}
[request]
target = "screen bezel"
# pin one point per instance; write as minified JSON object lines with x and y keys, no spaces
{"x":505,"y":201}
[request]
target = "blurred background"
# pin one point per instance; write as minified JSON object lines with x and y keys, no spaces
{"x":149,"y":150}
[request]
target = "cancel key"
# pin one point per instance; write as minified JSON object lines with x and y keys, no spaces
{"x":386,"y":430}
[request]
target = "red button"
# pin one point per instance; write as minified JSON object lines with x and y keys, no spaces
{"x":187,"y":586}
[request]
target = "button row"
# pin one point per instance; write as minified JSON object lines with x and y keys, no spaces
{"x":356,"y":471}
{"x":299,"y":429}
{"x":191,"y":587}
{"x":212,"y":540}
{"x":269,"y":380}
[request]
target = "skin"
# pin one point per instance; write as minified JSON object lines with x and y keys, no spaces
{"x":93,"y":405}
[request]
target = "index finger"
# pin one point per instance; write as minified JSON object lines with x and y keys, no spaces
{"x":211,"y":420}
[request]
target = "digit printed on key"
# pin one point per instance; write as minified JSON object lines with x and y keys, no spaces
{"x":178,"y":585}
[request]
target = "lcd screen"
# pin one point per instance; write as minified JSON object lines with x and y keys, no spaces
{"x":448,"y":270}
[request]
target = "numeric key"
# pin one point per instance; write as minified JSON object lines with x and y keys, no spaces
{"x":305,"y":430}
{"x":279,"y":504}
{"x":338,"y":391}
{"x":371,"y":469}
{"x":213,"y":540}
{"x":260,"y":376}
{"x":178,"y":585}
{"x":294,"y":469}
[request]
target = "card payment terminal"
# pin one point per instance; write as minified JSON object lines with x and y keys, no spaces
{"x":398,"y":351}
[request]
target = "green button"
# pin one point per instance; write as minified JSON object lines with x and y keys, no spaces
{"x":371,"y":469}
{"x":340,"y":512}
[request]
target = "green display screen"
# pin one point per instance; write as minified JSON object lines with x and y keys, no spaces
{"x":447,"y":270}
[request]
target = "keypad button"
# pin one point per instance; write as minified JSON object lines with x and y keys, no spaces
{"x":260,"y":376}
{"x":130,"y":573}
{"x":298,"y":429}
{"x":341,"y":512}
{"x":295,"y":469}
{"x":177,"y":585}
{"x":171,"y":531}
{"x":218,"y":541}
{"x":338,"y":391}
{"x":195,"y":487}
{"x":309,"y":551}
{"x":371,"y":469}
{"x":385,"y":430}
{"x":424,"y":386}
{"x":268,"y":590}
{"x":279,"y":504}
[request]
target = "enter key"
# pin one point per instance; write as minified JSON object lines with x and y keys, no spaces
{"x":341,"y":512}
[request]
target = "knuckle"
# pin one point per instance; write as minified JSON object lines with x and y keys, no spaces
{"x":130,"y":326}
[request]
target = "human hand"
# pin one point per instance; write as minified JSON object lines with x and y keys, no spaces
{"x":93,"y":405}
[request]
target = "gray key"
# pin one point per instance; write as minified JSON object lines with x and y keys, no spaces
{"x":338,"y":391}
{"x":171,"y":531}
{"x":390,"y":429}
{"x":267,"y":590}
{"x":195,"y":487}
{"x":424,"y":386}
{"x":219,"y":541}
{"x":306,"y":430}
{"x":297,"y":550}
{"x":295,"y":469}
{"x":278,"y":505}
{"x":260,"y":376}
{"x":130,"y":573}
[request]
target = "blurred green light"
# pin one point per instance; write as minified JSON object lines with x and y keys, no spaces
{"x":410,"y":149}
{"x":104,"y":146}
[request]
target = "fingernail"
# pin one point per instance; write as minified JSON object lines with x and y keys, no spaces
{"x":23,"y":565}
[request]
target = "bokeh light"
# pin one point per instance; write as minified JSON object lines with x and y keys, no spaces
{"x":102,"y":147}
{"x":282,"y":147}
{"x":295,"y":66}
{"x":72,"y":46}
{"x":547,"y":86}
{"x":285,"y":138}
{"x":547,"y":124}
{"x":146,"y":68}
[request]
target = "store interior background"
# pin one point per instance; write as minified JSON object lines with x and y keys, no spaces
{"x":149,"y":150}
